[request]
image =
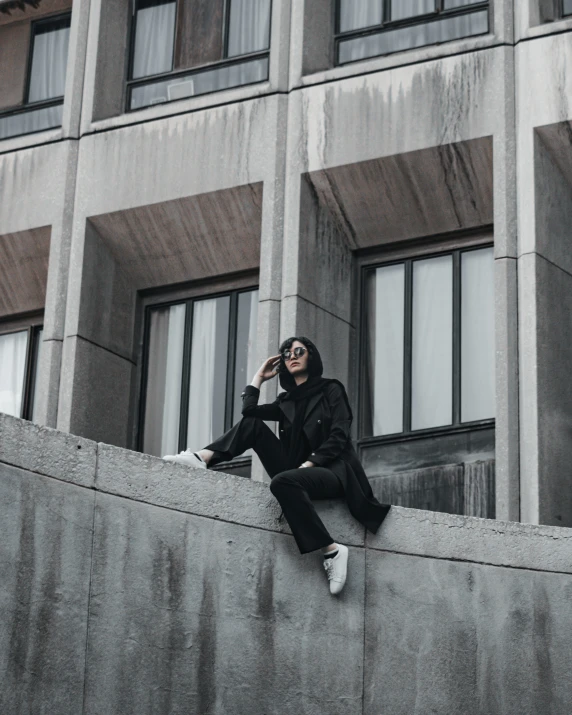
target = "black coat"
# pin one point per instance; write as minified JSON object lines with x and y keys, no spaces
{"x":327,"y":424}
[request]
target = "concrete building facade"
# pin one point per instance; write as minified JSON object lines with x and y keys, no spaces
{"x":391,"y":179}
{"x":348,"y":150}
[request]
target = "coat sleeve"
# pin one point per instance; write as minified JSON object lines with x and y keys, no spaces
{"x":251,"y":408}
{"x":339,"y":436}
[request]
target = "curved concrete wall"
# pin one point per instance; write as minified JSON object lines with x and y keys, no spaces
{"x":130,"y":585}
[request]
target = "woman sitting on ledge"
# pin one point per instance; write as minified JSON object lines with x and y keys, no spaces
{"x":314,"y":457}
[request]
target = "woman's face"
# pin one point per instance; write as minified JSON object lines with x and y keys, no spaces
{"x":297,"y":365}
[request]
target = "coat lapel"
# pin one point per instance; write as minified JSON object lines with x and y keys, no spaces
{"x":288,"y":409}
{"x":314,"y":400}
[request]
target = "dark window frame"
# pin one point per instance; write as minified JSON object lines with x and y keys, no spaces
{"x":387,"y":24}
{"x":226,"y":61}
{"x":233,"y":294}
{"x":32,"y":326}
{"x":27,"y":106}
{"x":407,"y":258}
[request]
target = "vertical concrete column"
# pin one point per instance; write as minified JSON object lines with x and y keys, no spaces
{"x":317,"y":263}
{"x":506,"y":303}
{"x":76,"y":67}
{"x":56,"y":296}
{"x":49,"y":368}
{"x":271,"y":249}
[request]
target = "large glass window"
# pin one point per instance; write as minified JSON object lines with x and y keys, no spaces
{"x":19,"y":359}
{"x":192,"y":47}
{"x":368,"y":28}
{"x":429,"y":343}
{"x":199,"y":356}
{"x":35,"y":96}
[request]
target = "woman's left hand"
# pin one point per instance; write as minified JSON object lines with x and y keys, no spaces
{"x":306,"y":464}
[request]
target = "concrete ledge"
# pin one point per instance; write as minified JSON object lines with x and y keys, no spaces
{"x":207,"y":493}
{"x":47,"y":451}
{"x":466,"y":538}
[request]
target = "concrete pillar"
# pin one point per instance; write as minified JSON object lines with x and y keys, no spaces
{"x":506,"y":303}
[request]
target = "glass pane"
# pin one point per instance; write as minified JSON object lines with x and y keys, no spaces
{"x":402,"y":9}
{"x":49,"y":60}
{"x":12,"y":371}
{"x":38,"y":357}
{"x":245,"y":363}
{"x":385,"y":345}
{"x":35,"y":120}
{"x":249,"y":26}
{"x":407,"y":38}
{"x":567,"y":9}
{"x":200,"y":83}
{"x":154,"y":38}
{"x":359,"y":13}
{"x":165,"y":372}
{"x":450,"y":4}
{"x":477,"y":335}
{"x":209,"y":354}
{"x":432,"y":348}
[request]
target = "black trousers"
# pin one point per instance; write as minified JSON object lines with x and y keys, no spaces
{"x":293,"y":488}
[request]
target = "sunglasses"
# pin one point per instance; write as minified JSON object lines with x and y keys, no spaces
{"x":297,"y":352}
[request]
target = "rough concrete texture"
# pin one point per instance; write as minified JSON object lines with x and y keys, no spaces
{"x":188,"y":615}
{"x":206,"y":493}
{"x":465,"y":638}
{"x":45,"y":561}
{"x":110,"y":600}
{"x":47,"y":451}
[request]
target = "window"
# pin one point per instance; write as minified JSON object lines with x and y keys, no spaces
{"x":192,"y":47}
{"x":368,"y":28}
{"x":200,"y":354}
{"x":566,"y":7}
{"x":429,"y":343}
{"x":32,"y":85}
{"x":19,"y":359}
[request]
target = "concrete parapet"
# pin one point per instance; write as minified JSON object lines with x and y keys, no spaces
{"x":47,"y":451}
{"x":162,"y":589}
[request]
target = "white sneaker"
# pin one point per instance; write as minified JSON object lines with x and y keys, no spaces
{"x":188,"y":458}
{"x":337,"y":568}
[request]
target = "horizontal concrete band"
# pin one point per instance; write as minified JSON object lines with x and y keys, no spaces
{"x":227,"y":498}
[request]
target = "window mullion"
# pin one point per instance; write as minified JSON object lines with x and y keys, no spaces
{"x":456,"y":337}
{"x":225,"y":28}
{"x":230,"y":360}
{"x":25,"y":404}
{"x":408,"y":351}
{"x":186,"y":378}
{"x":386,"y":12}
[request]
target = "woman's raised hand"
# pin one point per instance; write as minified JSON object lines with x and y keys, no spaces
{"x":269,"y":368}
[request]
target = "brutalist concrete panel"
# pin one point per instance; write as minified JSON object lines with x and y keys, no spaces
{"x":449,"y":536}
{"x":45,"y":559}
{"x":209,"y":493}
{"x":47,"y":451}
{"x":190,"y":615}
{"x":445,"y":637}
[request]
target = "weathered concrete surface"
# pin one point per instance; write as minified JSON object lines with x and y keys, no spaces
{"x":207,"y":493}
{"x":170,"y":590}
{"x":447,"y":637}
{"x":45,"y":562}
{"x":47,"y":451}
{"x":188,"y":615}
